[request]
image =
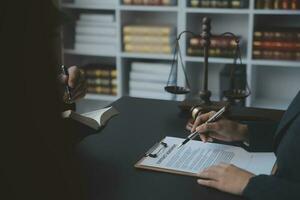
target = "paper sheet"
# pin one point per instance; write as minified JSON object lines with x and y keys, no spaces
{"x":195,"y":156}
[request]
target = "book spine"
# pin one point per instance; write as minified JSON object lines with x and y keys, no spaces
{"x":91,"y":39}
{"x":99,"y":48}
{"x":147,"y":30}
{"x":150,"y":2}
{"x":101,"y":79}
{"x":213,"y":52}
{"x":218,"y":3}
{"x":102,"y":90}
{"x":96,"y":31}
{"x":276,"y":45}
{"x":135,"y":39}
{"x":277,"y":4}
{"x":277,"y":55}
{"x":216,"y":42}
{"x":97,"y":17}
{"x":145,"y":77}
{"x":147,"y":48}
{"x":152,"y":68}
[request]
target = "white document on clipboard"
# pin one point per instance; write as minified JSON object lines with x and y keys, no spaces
{"x":194,"y":156}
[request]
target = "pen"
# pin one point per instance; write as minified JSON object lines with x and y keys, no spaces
{"x":68,"y":89}
{"x":195,"y":133}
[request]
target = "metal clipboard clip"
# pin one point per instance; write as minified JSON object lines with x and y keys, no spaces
{"x":156,"y":149}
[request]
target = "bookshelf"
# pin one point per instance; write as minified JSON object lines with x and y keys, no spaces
{"x":240,"y":21}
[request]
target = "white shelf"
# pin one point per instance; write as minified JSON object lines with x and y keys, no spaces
{"x":276,"y":12}
{"x":213,"y":60}
{"x":101,"y":97}
{"x":149,"y":8}
{"x":242,"y":21}
{"x":90,"y":7}
{"x":279,"y":63}
{"x":147,"y":56}
{"x":271,"y":103}
{"x":88,"y":53}
{"x":218,"y":10}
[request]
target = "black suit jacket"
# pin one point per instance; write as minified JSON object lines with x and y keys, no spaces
{"x":285,"y":184}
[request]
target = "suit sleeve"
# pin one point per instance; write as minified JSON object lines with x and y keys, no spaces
{"x":261,"y":135}
{"x":264,"y":187}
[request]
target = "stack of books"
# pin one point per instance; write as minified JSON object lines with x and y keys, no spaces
{"x":219,"y":47}
{"x":96,"y":33}
{"x":150,"y":2}
{"x":101,"y":79}
{"x":96,"y":2}
{"x":279,"y":44}
{"x":218,"y":3}
{"x":278,"y":4}
{"x":148,"y":39}
{"x":147,"y":80}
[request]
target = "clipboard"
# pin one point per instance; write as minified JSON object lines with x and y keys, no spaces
{"x":153,"y":152}
{"x":164,"y":149}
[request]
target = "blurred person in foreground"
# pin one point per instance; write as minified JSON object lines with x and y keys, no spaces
{"x":37,"y":148}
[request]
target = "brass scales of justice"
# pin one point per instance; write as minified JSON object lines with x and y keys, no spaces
{"x":204,"y":104}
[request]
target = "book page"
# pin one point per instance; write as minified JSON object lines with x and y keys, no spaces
{"x":96,"y":115}
{"x":195,"y":156}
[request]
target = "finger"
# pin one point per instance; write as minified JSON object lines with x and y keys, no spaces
{"x":80,"y":92}
{"x":220,"y":137}
{"x":74,"y":76}
{"x":63,"y":79}
{"x":201,"y":118}
{"x":208,"y":183}
{"x":212,"y":172}
{"x":79,"y":87}
{"x":189,"y":126}
{"x":203,"y":137}
{"x":214,"y":127}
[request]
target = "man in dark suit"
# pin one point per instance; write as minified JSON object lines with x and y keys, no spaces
{"x":284,"y":183}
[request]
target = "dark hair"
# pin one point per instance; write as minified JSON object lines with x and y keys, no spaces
{"x":36,"y":147}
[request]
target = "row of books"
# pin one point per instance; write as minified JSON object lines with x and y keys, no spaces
{"x":96,"y":33}
{"x":218,"y":3}
{"x":150,"y":2}
{"x":278,"y":4}
{"x":278,"y":44}
{"x":277,"y":35}
{"x":275,"y":55}
{"x":148,"y":39}
{"x":147,"y":80}
{"x":219,"y":47}
{"x":101,"y":79}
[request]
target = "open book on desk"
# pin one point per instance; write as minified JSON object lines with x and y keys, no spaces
{"x":194,"y":156}
{"x":95,"y":119}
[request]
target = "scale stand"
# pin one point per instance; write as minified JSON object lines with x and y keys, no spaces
{"x":204,"y":104}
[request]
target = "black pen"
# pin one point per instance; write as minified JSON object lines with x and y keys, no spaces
{"x":195,"y":133}
{"x":68,"y":89}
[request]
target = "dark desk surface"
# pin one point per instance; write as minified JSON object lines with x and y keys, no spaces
{"x":109,"y":156}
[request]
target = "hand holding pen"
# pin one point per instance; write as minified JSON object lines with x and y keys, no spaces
{"x":211,"y":119}
{"x":222,"y":129}
{"x":75,"y":84}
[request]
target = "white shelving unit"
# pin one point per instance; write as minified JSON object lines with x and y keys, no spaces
{"x":238,"y":21}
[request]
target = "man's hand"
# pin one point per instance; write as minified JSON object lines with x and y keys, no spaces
{"x":76,"y":81}
{"x":223,"y":129}
{"x":225,"y":177}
